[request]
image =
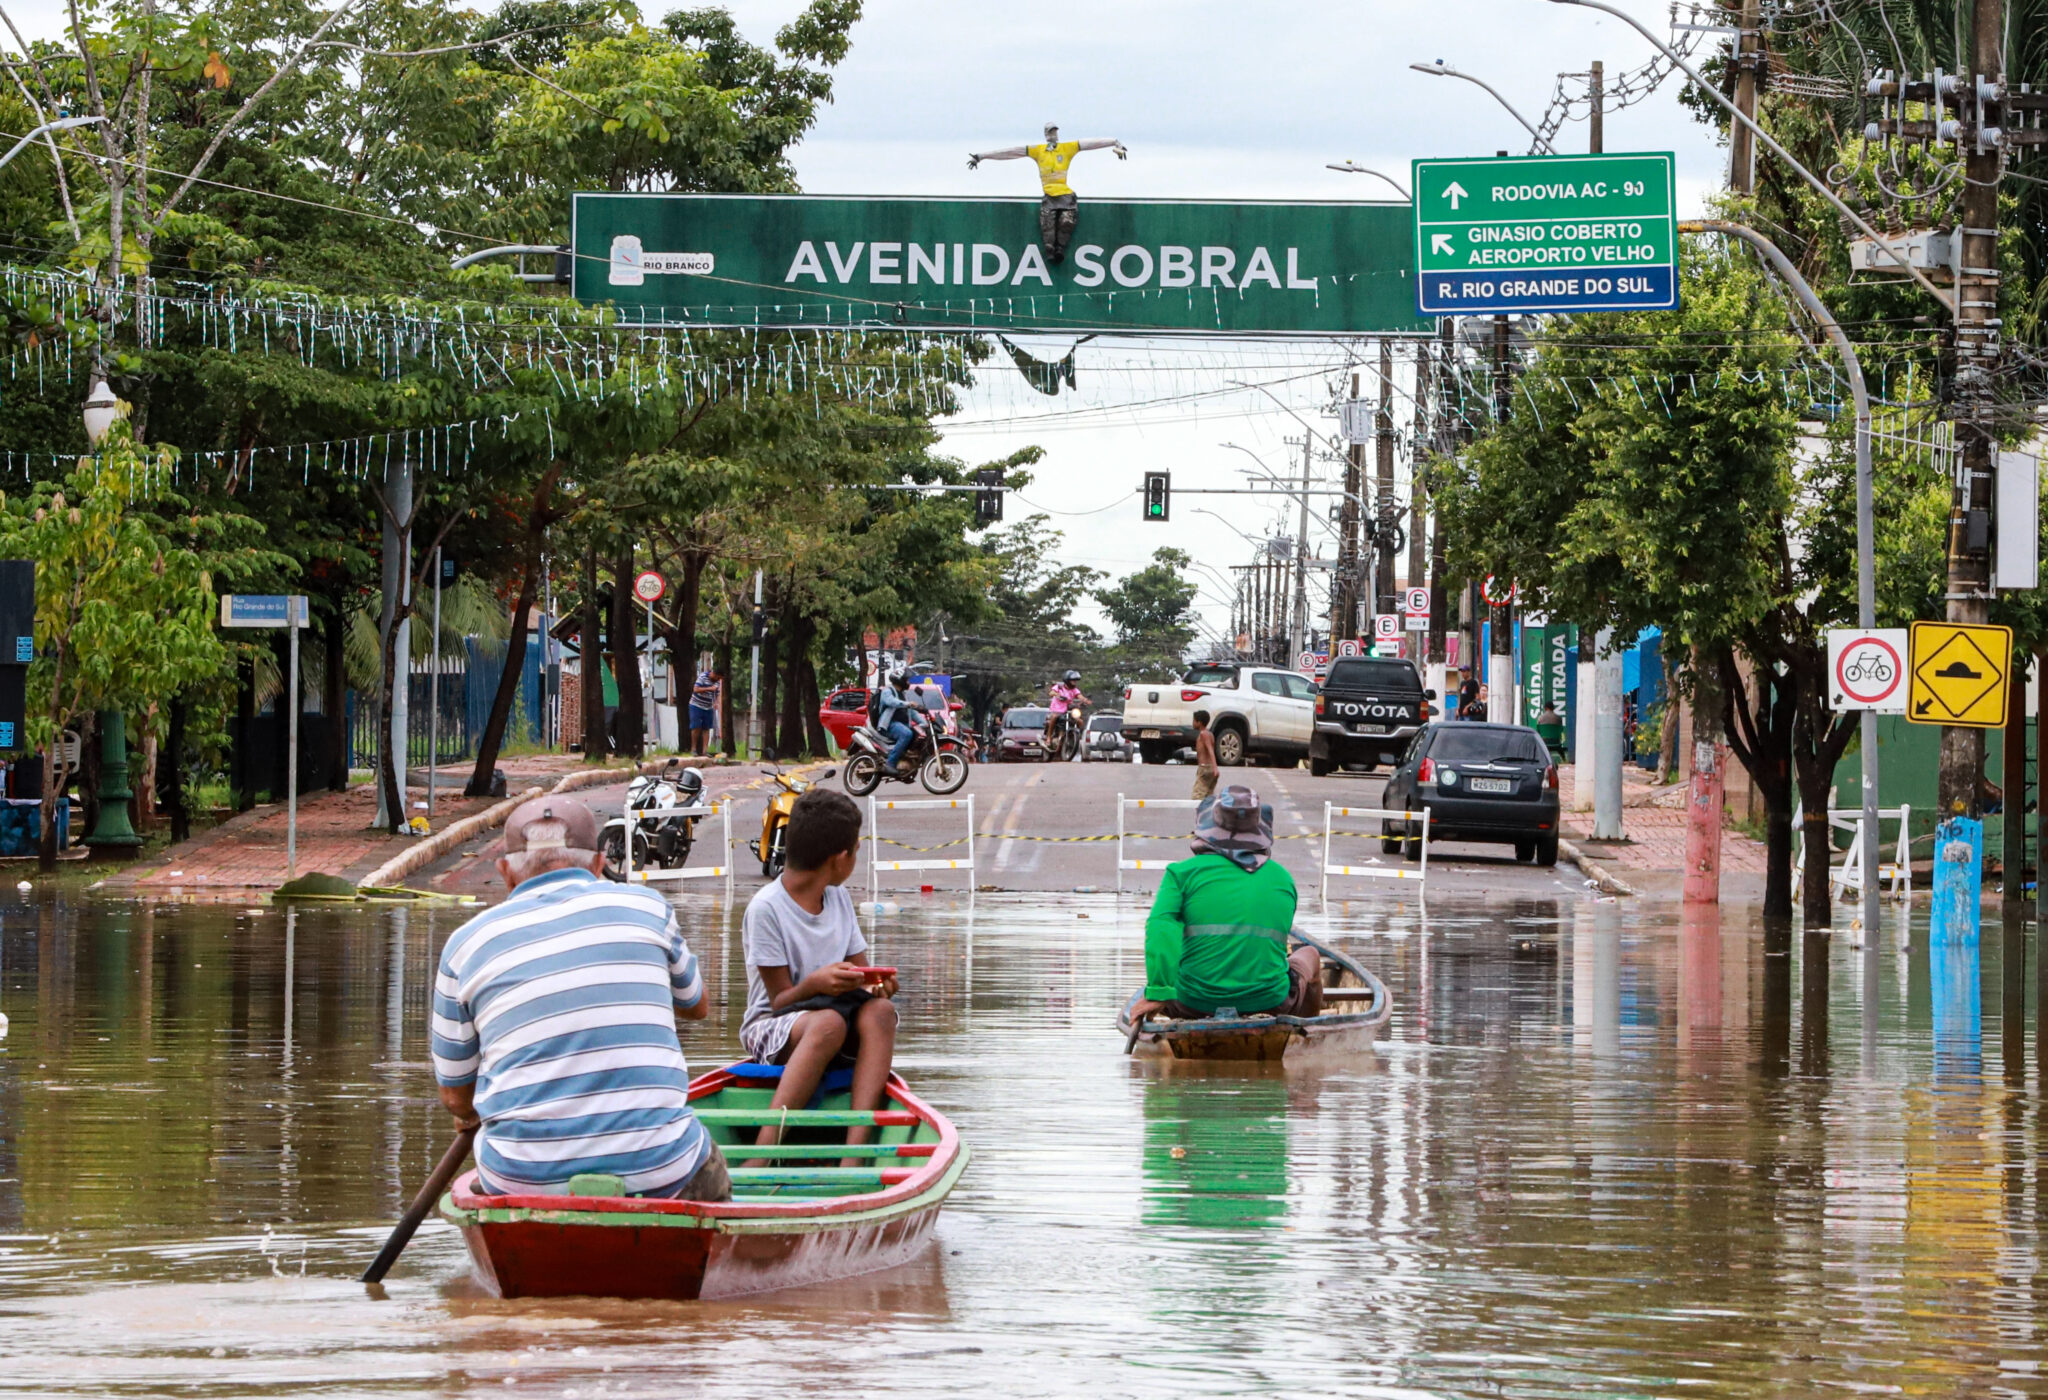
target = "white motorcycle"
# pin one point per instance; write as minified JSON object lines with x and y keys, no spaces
{"x":664,"y":842}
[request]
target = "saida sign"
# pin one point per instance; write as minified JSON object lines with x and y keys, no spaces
{"x":1172,"y":267}
{"x":1959,"y":673}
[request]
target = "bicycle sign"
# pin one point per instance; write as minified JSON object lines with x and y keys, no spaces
{"x":1866,"y":669}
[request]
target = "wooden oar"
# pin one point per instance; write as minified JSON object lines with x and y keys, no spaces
{"x":1137,"y":1026}
{"x":436,"y":1182}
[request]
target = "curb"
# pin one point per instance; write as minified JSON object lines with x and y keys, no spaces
{"x":1598,"y":873}
{"x":491,"y":818}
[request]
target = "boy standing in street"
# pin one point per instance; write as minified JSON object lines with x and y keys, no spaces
{"x":1205,"y":757}
{"x":810,"y":1003}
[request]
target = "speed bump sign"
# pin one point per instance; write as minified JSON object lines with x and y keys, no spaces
{"x":1958,"y":674}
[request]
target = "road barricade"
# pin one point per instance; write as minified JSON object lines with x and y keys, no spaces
{"x":723,"y":870}
{"x":1896,"y":874}
{"x":1377,"y":869}
{"x":1124,"y":804}
{"x":876,"y":865}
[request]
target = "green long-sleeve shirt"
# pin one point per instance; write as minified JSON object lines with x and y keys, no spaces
{"x":1217,"y":935}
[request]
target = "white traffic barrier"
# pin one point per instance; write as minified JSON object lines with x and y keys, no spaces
{"x":1896,"y":874}
{"x":1124,"y":803}
{"x":1374,"y":870}
{"x":722,"y":870}
{"x":876,"y":865}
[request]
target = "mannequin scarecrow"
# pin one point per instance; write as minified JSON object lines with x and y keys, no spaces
{"x":1059,"y":211}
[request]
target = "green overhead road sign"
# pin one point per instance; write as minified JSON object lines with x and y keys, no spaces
{"x":962,"y":264}
{"x":1520,"y":234}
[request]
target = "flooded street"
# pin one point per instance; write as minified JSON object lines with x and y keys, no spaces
{"x":1599,"y":1150}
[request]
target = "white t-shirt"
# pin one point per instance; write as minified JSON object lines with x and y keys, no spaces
{"x":779,"y":932}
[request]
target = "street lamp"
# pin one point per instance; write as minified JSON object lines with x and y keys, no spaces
{"x":1352,"y":167}
{"x":102,"y":410}
{"x":1441,"y":69}
{"x":61,"y":124}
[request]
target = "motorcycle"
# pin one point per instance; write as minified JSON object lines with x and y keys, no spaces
{"x":775,"y":820}
{"x":665,"y":841}
{"x":1063,"y":736}
{"x":937,"y":759}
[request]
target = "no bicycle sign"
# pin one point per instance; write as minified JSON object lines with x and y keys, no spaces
{"x":1867,"y":669}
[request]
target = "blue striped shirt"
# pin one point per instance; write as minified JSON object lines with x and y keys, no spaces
{"x":559,"y":1006}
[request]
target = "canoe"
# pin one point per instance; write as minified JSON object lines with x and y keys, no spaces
{"x":804,"y":1219}
{"x":1349,"y":1021}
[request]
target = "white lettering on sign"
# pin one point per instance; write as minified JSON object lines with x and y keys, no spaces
{"x":888,"y":264}
{"x":1522,"y":194}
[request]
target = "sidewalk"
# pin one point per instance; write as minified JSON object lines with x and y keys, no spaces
{"x":247,"y":851}
{"x":1652,"y":858}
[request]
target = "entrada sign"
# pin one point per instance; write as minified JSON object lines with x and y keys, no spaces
{"x":1141,"y":265}
{"x":1520,"y":234}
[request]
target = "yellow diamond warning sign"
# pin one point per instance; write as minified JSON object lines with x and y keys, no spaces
{"x":1958,"y":674}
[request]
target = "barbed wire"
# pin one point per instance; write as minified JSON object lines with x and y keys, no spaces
{"x":1571,"y":99}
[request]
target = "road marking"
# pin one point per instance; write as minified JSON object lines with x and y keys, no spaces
{"x":1006,"y":849}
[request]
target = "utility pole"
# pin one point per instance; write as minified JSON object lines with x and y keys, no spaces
{"x":1445,"y":442}
{"x":754,"y":674}
{"x":1344,"y":588}
{"x":1706,"y":793}
{"x":1383,"y":487}
{"x":1301,"y":557}
{"x":1500,"y":661}
{"x":1607,"y":671}
{"x":1418,"y":489}
{"x":1976,"y":355}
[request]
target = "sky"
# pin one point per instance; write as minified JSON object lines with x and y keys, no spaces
{"x":1214,"y":101}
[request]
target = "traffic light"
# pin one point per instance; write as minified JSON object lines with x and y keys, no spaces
{"x":988,"y":502}
{"x":1158,"y":493}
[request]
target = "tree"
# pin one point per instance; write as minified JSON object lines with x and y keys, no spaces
{"x":123,"y":617}
{"x":1153,"y":610}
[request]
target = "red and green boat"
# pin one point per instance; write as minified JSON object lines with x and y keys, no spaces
{"x":803,"y":1219}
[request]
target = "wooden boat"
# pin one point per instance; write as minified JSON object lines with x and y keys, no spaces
{"x":805,"y":1219}
{"x":1356,"y":1005}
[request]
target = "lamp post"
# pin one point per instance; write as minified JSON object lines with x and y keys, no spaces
{"x":112,"y":832}
{"x":1440,"y":69}
{"x":1352,"y":167}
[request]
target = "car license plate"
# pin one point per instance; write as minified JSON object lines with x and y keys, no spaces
{"x":1148,"y":734}
{"x":1372,"y":729}
{"x":1493,"y":785}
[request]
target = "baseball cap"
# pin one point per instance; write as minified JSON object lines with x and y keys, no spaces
{"x":579,"y":825}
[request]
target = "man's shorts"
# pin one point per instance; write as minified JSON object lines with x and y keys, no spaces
{"x":1205,"y":785}
{"x":1297,"y":985}
{"x":701,"y":718}
{"x":710,"y":1182}
{"x":767,"y":1040}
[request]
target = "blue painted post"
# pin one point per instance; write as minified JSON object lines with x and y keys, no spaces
{"x":1958,"y":881}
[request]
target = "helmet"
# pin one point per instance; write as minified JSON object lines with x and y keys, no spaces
{"x":1072,"y":678}
{"x":691,"y":781}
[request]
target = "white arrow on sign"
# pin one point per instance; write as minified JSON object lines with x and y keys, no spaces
{"x":1441,"y":243}
{"x":1455,"y":192}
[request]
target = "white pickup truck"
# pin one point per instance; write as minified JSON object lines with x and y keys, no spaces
{"x":1261,"y":714}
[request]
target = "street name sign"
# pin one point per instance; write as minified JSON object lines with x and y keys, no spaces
{"x":1867,"y":669}
{"x":1958,"y":674}
{"x":263,"y":610}
{"x":1523,"y":234}
{"x":1163,"y":266}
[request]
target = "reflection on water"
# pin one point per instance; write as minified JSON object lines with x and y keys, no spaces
{"x":1601,"y":1150}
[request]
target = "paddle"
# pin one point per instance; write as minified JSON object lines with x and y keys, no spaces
{"x":1137,"y":1026}
{"x":436,"y":1182}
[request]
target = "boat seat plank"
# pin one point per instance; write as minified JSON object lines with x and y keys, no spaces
{"x":806,"y":1117}
{"x":837,"y":1149}
{"x":866,"y":1178}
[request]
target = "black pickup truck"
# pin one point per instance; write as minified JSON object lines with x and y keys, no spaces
{"x":1366,"y":712}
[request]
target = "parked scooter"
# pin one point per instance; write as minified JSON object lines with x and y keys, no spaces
{"x":665,"y":841}
{"x":937,"y":759}
{"x":775,"y":819}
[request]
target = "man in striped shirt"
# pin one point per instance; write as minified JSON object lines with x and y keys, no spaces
{"x":554,"y":1024}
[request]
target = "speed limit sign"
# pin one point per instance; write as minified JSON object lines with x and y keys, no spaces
{"x":1867,"y":669}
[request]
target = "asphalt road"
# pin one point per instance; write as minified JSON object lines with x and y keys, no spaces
{"x":1052,"y":828}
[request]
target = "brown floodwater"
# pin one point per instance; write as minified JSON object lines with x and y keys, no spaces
{"x":1601,"y":1150}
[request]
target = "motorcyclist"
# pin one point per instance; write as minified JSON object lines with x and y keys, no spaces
{"x":894,"y":714}
{"x":1066,"y":696}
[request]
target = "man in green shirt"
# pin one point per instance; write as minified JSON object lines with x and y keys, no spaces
{"x":1216,"y":941}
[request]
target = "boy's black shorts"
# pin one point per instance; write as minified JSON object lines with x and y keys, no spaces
{"x":848,"y":1005}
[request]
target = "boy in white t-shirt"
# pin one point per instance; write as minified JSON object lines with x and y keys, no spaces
{"x":810,"y":1005}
